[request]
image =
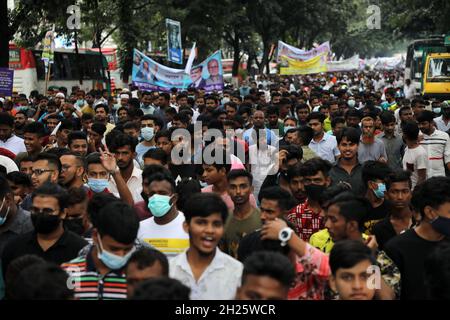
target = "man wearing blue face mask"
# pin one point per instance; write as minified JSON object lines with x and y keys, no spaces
{"x":410,"y":249}
{"x":164,"y":230}
{"x":100,"y":167}
{"x":99,"y":273}
{"x":374,"y":174}
{"x":150,"y":125}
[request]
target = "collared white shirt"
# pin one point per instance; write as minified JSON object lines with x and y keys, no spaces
{"x":134,"y":184}
{"x":440,"y":124}
{"x":326,"y":148}
{"x":14,"y":144}
{"x":219,"y":281}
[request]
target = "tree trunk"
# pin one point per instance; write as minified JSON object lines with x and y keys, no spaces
{"x":236,"y":56}
{"x":4,"y":34}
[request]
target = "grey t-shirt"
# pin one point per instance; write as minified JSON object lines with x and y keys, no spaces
{"x":374,"y":151}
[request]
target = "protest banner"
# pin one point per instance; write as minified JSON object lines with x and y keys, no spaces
{"x":344,"y":65}
{"x":296,"y":67}
{"x":147,"y":74}
{"x":6,"y":81}
{"x":294,"y":53}
{"x":174,"y":48}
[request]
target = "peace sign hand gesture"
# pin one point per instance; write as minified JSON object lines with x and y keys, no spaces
{"x":108,"y":160}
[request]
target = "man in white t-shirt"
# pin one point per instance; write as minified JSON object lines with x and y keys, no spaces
{"x":415,"y":158}
{"x":164,"y":230}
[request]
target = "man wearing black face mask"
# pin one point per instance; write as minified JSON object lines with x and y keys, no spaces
{"x":307,"y":217}
{"x":77,"y":219}
{"x":410,"y":249}
{"x":49,"y":240}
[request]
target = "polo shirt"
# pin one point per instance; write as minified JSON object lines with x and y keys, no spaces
{"x":395,"y":148}
{"x":437,"y":146}
{"x":89,"y":284}
{"x":338,"y":174}
{"x":65,"y":249}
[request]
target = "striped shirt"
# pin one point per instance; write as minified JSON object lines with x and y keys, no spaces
{"x":437,"y":146}
{"x":89,"y":284}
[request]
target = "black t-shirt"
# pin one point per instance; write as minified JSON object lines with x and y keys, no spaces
{"x":383,"y":231}
{"x":409,"y":252}
{"x":375,"y":215}
{"x":65,"y":249}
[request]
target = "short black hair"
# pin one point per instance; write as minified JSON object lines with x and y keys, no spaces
{"x":164,"y":175}
{"x":52,"y":190}
{"x":152,"y":169}
{"x":293,"y":152}
{"x":51,"y":158}
{"x":158,"y":122}
{"x":347,"y":253}
{"x":283,"y":197}
{"x":131,"y":125}
{"x":314,"y":166}
{"x":203,"y":205}
{"x":336,"y":121}
{"x":92,"y":158}
{"x":123,"y":140}
{"x":161,"y":289}
{"x":146,"y":257}
{"x":316,"y":116}
{"x":410,"y":130}
{"x":352,"y":208}
{"x":398,"y":176}
{"x":66,"y":124}
{"x":6,"y":119}
{"x":270,"y":264}
{"x":42,"y":281}
{"x":374,"y":170}
{"x":157,"y":154}
{"x":185,"y":189}
{"x":36,"y":128}
{"x":349,"y":133}
{"x":97,"y":202}
{"x":76,"y":196}
{"x":119,"y":221}
{"x":225,"y":160}
{"x":272,"y":110}
{"x":18,"y":178}
{"x":306,"y":133}
{"x":434,"y":192}
{"x":98,"y":128}
{"x":387,"y":117}
{"x":233,"y":174}
{"x":101,"y":105}
{"x":76,"y":135}
{"x":425,"y":116}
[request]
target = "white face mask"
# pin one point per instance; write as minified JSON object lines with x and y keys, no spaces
{"x":225,"y":100}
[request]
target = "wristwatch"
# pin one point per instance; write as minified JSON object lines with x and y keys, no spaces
{"x":285,"y":235}
{"x":116,"y":170}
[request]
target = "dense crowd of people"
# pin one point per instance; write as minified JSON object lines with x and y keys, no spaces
{"x":327,"y":186}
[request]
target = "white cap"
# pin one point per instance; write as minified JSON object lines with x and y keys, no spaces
{"x":124,"y":90}
{"x":124,"y":96}
{"x":60,"y":95}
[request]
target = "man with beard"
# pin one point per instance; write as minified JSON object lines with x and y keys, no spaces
{"x":101,"y":116}
{"x":210,"y":273}
{"x":436,"y":143}
{"x":307,"y":217}
{"x":49,"y":240}
{"x":8,"y":139}
{"x":72,"y":170}
{"x":164,"y":230}
{"x":20,"y":120}
{"x":245,"y":218}
{"x":370,"y":148}
{"x":124,"y":150}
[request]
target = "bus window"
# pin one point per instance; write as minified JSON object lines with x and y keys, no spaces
{"x":439,"y":69}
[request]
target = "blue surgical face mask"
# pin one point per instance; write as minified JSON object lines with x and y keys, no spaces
{"x":159,"y":205}
{"x":98,"y":185}
{"x":441,"y":225}
{"x":351,"y":103}
{"x":3,"y":219}
{"x":111,"y":260}
{"x":379,"y":193}
{"x":437,"y":110}
{"x":147,"y":133}
{"x":287,"y":128}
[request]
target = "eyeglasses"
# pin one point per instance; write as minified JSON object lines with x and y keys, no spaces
{"x":38,"y":172}
{"x":45,"y":211}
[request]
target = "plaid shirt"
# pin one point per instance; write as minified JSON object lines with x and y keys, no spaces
{"x":306,"y":221}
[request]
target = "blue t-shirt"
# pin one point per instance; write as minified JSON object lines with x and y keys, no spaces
{"x":140,"y":151}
